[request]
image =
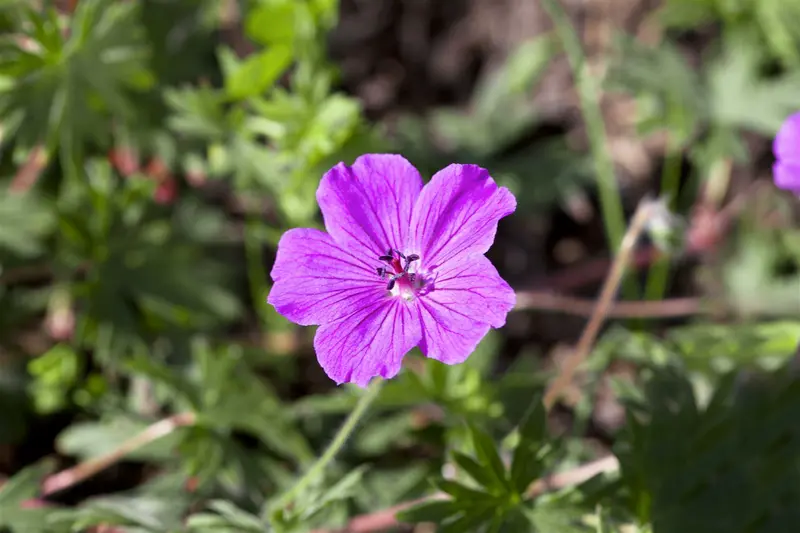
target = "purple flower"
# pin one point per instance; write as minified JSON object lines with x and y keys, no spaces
{"x":401,"y":265}
{"x":786,"y":170}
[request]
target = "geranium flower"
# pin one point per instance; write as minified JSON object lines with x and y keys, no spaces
{"x":786,"y":170}
{"x":401,"y":265}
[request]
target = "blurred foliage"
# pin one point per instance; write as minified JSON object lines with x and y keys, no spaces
{"x":495,"y":129}
{"x":705,"y":112}
{"x":150,"y":158}
{"x":773,"y":25}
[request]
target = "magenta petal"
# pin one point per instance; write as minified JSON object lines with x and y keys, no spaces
{"x":369,"y":342}
{"x":786,"y":175}
{"x":316,"y":281}
{"x":367,"y":207}
{"x":457,"y":213}
{"x":786,"y":145}
{"x":468,"y":298}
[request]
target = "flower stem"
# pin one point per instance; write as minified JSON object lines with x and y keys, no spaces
{"x":333,"y":448}
{"x":658,"y":275}
{"x":255,"y":269}
{"x":589,"y":94}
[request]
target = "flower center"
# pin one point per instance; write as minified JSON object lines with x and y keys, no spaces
{"x":399,"y":280}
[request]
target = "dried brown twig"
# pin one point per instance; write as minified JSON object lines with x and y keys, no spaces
{"x":603,"y":306}
{"x":548,"y":301}
{"x":71,"y":476}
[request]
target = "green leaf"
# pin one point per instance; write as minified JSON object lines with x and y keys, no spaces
{"x":313,"y":502}
{"x":256,"y":74}
{"x":741,"y":97}
{"x":520,"y":72}
{"x":487,"y":455}
{"x":670,"y":93}
{"x":24,"y":222}
{"x":431,"y":511}
{"x":461,"y":492}
{"x":525,"y":466}
{"x":684,"y":14}
{"x":150,"y":513}
{"x":24,"y":485}
{"x":555,"y":518}
{"x":83,"y":74}
{"x":471,"y":519}
{"x":237,"y":517}
{"x":345,"y":487}
{"x":534,"y":427}
{"x":55,"y":373}
{"x":476,"y":471}
{"x":271,"y":22}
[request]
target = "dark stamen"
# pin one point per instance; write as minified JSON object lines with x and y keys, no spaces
{"x":392,"y":273}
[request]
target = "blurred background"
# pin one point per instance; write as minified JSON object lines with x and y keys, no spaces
{"x":152,"y":152}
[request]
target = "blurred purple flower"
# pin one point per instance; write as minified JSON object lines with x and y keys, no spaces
{"x":401,"y":265}
{"x":786,"y":170}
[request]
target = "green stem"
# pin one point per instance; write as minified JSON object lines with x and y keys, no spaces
{"x":333,"y":448}
{"x":658,"y":275}
{"x":610,"y":201}
{"x":255,"y":268}
{"x":589,"y":94}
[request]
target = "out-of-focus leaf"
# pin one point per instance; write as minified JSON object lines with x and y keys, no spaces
{"x":271,"y":22}
{"x":556,"y":518}
{"x":24,"y":485}
{"x":475,"y":470}
{"x":460,"y":492}
{"x":258,"y":72}
{"x":24,"y":221}
{"x":140,"y":513}
{"x":67,"y":90}
{"x":741,"y":97}
{"x":526,"y":465}
{"x":687,"y":13}
{"x":518,"y":74}
{"x":431,"y":511}
{"x":486,"y":452}
{"x":55,"y":373}
{"x":746,"y":436}
{"x":229,"y":518}
{"x":670,"y":94}
{"x":752,"y":285}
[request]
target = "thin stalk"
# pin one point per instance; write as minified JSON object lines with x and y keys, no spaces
{"x":610,"y":201}
{"x":610,"y":287}
{"x":334,"y":447}
{"x":256,"y":277}
{"x":589,"y":94}
{"x":658,"y":274}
